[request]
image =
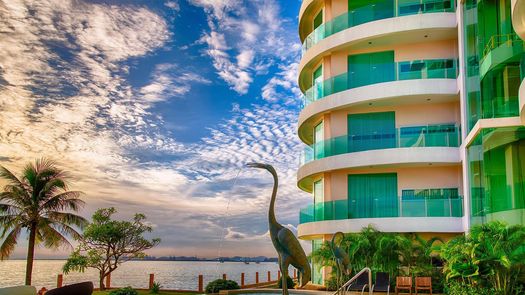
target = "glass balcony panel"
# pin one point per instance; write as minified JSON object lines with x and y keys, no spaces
{"x":437,"y":205}
{"x":383,"y":72}
{"x":372,"y":12}
{"x":444,"y":135}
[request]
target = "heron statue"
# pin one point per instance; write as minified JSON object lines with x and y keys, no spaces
{"x":342,"y":260}
{"x":288,"y":248}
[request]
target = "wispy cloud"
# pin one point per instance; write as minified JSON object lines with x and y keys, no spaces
{"x":65,"y":92}
{"x":245,"y":39}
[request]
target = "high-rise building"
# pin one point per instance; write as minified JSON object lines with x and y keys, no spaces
{"x":413,"y":115}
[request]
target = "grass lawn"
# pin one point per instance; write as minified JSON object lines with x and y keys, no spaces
{"x":144,"y":292}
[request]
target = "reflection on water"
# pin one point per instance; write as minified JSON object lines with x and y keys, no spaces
{"x":170,"y":274}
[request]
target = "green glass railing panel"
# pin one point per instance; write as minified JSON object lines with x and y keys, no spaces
{"x":406,"y":70}
{"x":443,"y":135}
{"x":371,"y":13}
{"x":436,"y":206}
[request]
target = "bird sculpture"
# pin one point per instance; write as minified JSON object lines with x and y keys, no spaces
{"x":288,"y":248}
{"x":342,"y":259}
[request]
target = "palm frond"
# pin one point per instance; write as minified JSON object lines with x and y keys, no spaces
{"x":66,"y":218}
{"x":69,"y":200}
{"x":9,"y":176}
{"x":51,"y":237}
{"x":9,"y":243}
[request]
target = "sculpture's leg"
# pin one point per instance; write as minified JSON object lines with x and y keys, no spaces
{"x":284,"y":273}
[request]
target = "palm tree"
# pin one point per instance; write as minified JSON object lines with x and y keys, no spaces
{"x":36,"y":202}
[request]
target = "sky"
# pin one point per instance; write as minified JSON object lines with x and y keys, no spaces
{"x":154,"y":107}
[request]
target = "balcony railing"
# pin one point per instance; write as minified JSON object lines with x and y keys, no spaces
{"x":433,"y":206}
{"x":387,"y":72}
{"x":371,"y":13}
{"x":444,"y":135}
{"x":496,"y":41}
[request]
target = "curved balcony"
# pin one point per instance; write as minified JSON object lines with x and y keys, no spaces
{"x":518,"y":17}
{"x":428,"y":206}
{"x":445,"y":135}
{"x":500,"y":49}
{"x":411,"y":29}
{"x":397,"y":71}
{"x":372,"y":13}
{"x":390,"y":157}
{"x":417,"y":91}
{"x":522,"y":101}
{"x":431,"y":213}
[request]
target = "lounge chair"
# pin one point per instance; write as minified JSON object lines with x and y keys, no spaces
{"x":20,"y":290}
{"x":382,"y":283}
{"x":404,"y":283}
{"x":360,"y":284}
{"x":85,"y":288}
{"x":424,"y":284}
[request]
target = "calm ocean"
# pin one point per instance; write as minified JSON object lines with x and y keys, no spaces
{"x":170,"y":274}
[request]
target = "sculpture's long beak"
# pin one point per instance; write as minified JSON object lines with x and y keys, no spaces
{"x":255,"y":165}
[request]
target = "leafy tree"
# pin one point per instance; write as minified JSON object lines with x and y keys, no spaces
{"x":492,"y":255}
{"x":36,"y":202}
{"x":107,"y":243}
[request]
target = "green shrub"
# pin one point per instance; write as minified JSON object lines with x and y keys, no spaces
{"x":155,"y":289}
{"x":461,"y":288}
{"x":124,"y":291}
{"x":220,"y":284}
{"x":331,"y":284}
{"x":289,"y":282}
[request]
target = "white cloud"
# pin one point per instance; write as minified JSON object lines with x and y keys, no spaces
{"x":173,"y":5}
{"x":254,"y":33}
{"x":169,"y":81}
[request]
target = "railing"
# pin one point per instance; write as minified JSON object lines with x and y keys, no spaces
{"x":371,"y":13}
{"x":496,"y":41}
{"x":344,"y":288}
{"x":443,"y":135}
{"x":377,"y":207}
{"x":405,"y":70}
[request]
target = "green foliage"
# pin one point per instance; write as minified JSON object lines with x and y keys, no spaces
{"x":155,"y":289}
{"x":463,"y":288}
{"x":124,"y":291}
{"x":220,"y":284}
{"x":492,"y":255}
{"x":289,"y":283}
{"x":383,"y":252}
{"x":36,"y":202}
{"x":107,"y":243}
{"x":331,"y":283}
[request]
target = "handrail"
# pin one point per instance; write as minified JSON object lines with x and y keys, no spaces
{"x":344,"y":288}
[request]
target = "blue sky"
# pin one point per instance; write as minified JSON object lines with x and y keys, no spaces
{"x":154,"y":106}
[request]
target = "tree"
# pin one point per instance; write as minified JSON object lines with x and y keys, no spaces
{"x":36,"y":202}
{"x":492,"y":255}
{"x":107,"y":243}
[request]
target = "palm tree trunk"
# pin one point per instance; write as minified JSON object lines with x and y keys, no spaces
{"x":30,"y":253}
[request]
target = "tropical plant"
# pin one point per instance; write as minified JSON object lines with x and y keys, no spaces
{"x":38,"y":201}
{"x":107,"y":243}
{"x":220,"y":284}
{"x":492,"y":255}
{"x":124,"y":291}
{"x":155,"y":289}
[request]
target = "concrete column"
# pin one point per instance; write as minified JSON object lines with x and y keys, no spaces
{"x":151,"y":280}
{"x":201,"y":283}
{"x":60,"y":280}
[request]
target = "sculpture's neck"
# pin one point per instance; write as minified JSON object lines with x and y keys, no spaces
{"x":271,"y":210}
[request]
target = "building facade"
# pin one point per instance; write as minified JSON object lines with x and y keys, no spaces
{"x":413,"y":115}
